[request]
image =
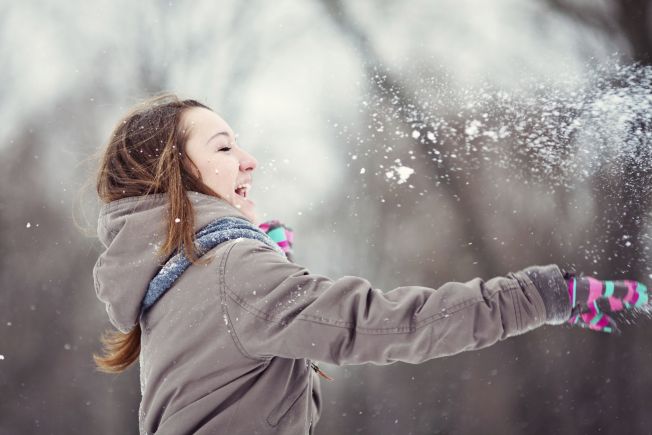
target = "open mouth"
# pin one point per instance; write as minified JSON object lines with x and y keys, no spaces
{"x":243,"y":190}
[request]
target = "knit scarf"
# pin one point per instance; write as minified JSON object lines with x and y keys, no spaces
{"x":216,"y":232}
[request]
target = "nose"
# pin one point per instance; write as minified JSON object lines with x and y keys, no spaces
{"x":247,"y":162}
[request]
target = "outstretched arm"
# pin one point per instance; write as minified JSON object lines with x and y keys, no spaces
{"x":278,"y":308}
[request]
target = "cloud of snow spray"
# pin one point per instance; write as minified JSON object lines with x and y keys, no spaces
{"x":557,"y":135}
{"x":595,"y":129}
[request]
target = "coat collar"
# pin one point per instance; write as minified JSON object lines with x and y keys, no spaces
{"x":131,"y":231}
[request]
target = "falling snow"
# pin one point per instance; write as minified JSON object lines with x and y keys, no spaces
{"x":399,"y":172}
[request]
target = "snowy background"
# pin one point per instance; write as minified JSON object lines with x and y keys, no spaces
{"x":413,"y":143}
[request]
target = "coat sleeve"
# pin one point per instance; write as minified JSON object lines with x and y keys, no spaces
{"x":278,"y":308}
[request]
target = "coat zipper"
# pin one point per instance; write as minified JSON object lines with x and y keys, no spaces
{"x":319,"y":371}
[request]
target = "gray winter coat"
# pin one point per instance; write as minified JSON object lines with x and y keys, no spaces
{"x":228,"y":348}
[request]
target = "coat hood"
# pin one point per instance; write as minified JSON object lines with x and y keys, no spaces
{"x":131,"y":231}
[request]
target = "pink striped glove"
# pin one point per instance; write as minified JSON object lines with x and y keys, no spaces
{"x":594,"y":302}
{"x":282,"y":235}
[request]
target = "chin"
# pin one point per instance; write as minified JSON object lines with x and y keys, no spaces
{"x":248,"y":213}
{"x":252,"y":217}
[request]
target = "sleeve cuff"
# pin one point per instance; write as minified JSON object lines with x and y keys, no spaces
{"x":551,"y":284}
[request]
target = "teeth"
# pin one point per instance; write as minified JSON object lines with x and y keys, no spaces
{"x":245,"y":186}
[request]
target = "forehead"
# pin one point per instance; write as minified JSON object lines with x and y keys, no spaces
{"x":203,"y":122}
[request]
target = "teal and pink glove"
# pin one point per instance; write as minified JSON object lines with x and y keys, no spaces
{"x":594,"y":301}
{"x":282,"y":235}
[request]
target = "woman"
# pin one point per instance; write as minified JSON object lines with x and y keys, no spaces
{"x":226,"y":326}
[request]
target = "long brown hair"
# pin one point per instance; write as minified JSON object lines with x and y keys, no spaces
{"x":145,"y":155}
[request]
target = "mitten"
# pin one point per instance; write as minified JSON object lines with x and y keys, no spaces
{"x":594,"y":302}
{"x":282,"y":235}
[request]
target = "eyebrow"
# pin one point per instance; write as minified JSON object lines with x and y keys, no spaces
{"x":221,"y":133}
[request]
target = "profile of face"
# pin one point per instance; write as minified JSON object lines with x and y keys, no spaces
{"x":223,"y":165}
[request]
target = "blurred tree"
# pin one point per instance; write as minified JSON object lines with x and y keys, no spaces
{"x":630,"y":20}
{"x":412,"y":116}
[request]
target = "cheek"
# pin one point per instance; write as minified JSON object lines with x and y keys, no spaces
{"x":216,"y":168}
{"x":201,"y":162}
{"x":211,"y":167}
{"x":205,"y":170}
{"x":220,"y":173}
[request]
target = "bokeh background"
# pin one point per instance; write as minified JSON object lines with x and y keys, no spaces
{"x":361,"y":115}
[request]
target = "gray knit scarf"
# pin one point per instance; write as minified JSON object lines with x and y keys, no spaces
{"x":218,"y":231}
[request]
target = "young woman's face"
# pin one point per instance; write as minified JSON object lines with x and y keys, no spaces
{"x":223,"y":165}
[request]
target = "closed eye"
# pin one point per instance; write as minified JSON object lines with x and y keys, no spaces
{"x":225,"y":149}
